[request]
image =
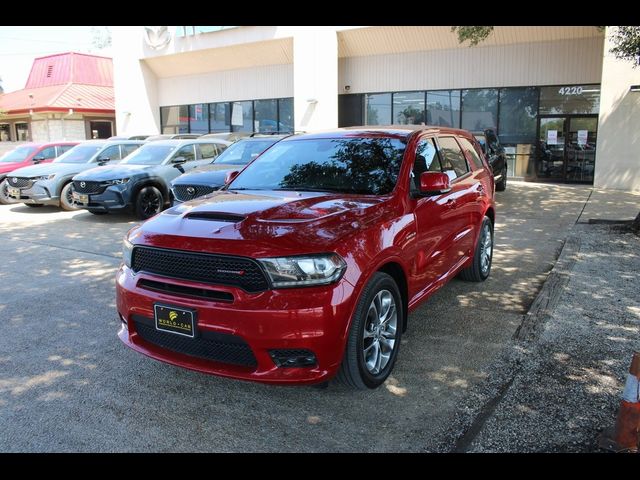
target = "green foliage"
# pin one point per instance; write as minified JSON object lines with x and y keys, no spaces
{"x":474,"y":35}
{"x":626,"y":42}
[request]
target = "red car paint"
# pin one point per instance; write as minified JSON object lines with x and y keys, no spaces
{"x":424,"y":240}
{"x":6,"y":167}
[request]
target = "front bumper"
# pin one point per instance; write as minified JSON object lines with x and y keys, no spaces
{"x":41,"y":192}
{"x":314,"y":319}
{"x":113,"y":198}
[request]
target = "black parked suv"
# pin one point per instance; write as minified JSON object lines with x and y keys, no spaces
{"x":495,"y":156}
{"x":204,"y":180}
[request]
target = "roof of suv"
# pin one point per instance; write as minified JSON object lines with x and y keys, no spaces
{"x":180,"y":143}
{"x":385,"y":131}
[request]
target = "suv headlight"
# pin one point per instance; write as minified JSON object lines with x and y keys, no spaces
{"x":46,"y":177}
{"x":307,"y":270}
{"x":119,"y":181}
{"x":127,"y":251}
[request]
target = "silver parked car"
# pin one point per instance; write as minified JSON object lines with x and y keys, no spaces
{"x":50,"y":183}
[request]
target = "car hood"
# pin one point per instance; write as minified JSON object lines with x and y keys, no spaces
{"x":207,"y":175}
{"x":262,"y":223}
{"x":113,"y":172}
{"x":50,"y":168}
{"x":11,"y":166}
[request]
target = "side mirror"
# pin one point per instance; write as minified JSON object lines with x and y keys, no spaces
{"x":37,"y":160}
{"x":434,"y":183}
{"x":179,"y":160}
{"x":103,"y":160}
{"x":230,"y":176}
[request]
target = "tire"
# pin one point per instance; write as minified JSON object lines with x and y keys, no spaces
{"x":149,"y":202}
{"x":5,"y":199}
{"x":98,"y":212}
{"x":364,"y":364}
{"x":480,"y":269}
{"x":34,"y":205}
{"x":66,"y":198}
{"x":501,"y":186}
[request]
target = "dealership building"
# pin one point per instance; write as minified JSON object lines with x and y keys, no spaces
{"x":564,"y":108}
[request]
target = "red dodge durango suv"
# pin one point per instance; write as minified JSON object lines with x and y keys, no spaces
{"x":306,"y":265}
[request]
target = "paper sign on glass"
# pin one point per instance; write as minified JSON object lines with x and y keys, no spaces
{"x":236,"y":116}
{"x":552,"y":137}
{"x":582,"y":137}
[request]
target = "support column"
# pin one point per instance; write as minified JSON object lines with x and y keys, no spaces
{"x":315,"y":78}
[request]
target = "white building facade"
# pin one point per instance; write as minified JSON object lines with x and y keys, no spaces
{"x":561,"y":105}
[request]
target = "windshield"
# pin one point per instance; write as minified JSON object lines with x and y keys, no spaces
{"x":18,"y":154}
{"x":79,"y":154}
{"x":149,"y":155}
{"x":367,"y":166}
{"x":242,"y":152}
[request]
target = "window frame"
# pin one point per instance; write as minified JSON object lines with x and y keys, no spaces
{"x":440,"y":149}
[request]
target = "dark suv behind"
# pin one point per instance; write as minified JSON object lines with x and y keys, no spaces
{"x":495,"y":154}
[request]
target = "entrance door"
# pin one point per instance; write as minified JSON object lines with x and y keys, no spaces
{"x":567,"y":148}
{"x":100,"y":129}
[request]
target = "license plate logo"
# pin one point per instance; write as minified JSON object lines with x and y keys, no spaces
{"x":174,"y":320}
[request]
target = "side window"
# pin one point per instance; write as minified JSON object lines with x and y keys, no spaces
{"x":471,"y":152}
{"x":112,"y":153}
{"x":453,"y":162}
{"x":64,"y":148}
{"x":207,"y":150}
{"x":426,"y":161}
{"x":128,"y":149}
{"x":47,"y":153}
{"x":492,"y":140}
{"x":187,"y":152}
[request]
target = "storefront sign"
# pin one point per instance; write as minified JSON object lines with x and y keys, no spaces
{"x":552,"y":137}
{"x":582,"y":137}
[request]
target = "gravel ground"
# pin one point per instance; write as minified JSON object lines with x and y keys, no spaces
{"x":559,"y":385}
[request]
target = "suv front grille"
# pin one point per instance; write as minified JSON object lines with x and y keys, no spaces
{"x":218,"y":347}
{"x":20,"y":182}
{"x":189,"y":192}
{"x":240,"y":272}
{"x":92,"y":188}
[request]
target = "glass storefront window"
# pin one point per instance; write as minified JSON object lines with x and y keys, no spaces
{"x":479,"y":109}
{"x":518,"y":110}
{"x":199,"y":118}
{"x":377,"y":109}
{"x":175,"y":119}
{"x":443,"y":108}
{"x":408,"y":108}
{"x":266,"y":112}
{"x":242,"y":116}
{"x":5,"y":136}
{"x":220,"y":117}
{"x":570,"y":99}
{"x":285,"y":110}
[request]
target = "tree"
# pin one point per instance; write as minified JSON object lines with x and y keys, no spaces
{"x":475,"y":35}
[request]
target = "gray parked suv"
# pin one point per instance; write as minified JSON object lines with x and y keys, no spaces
{"x":142,"y":181}
{"x":50,"y":183}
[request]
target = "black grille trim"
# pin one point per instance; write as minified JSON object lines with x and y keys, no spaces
{"x":20,"y":182}
{"x":183,"y":291}
{"x":215,"y":216}
{"x":92,"y":188}
{"x":180,"y":191}
{"x":201,"y":267}
{"x":217,"y":347}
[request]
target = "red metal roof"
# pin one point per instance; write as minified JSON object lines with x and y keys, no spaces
{"x":81,"y":98}
{"x":70,"y":67}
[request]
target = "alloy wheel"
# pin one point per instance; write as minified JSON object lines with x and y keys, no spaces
{"x":379,"y":336}
{"x":486,"y":249}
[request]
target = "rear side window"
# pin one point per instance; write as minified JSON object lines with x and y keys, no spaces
{"x":207,"y":150}
{"x":453,"y":162}
{"x":127,"y":149}
{"x":186,"y":152}
{"x":112,"y":153}
{"x":426,"y":161}
{"x":64,"y":148}
{"x":47,"y":153}
{"x":471,"y":152}
{"x":492,"y":139}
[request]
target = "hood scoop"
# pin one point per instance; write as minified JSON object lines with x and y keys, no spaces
{"x":215,"y":217}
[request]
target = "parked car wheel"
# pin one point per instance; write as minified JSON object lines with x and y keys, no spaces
{"x":479,"y":270}
{"x":5,"y":199}
{"x":149,"y":202}
{"x":66,"y":198}
{"x":374,"y":337}
{"x":501,"y":186}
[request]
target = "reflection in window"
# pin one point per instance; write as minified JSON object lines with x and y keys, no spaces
{"x":479,"y":108}
{"x":377,"y":109}
{"x":518,"y":110}
{"x":220,"y":117}
{"x":453,"y":162}
{"x":198,"y":118}
{"x":443,"y":108}
{"x":408,"y":108}
{"x":175,"y":119}
{"x":242,"y":117}
{"x":266,"y":112}
{"x":22,"y":131}
{"x":570,"y":99}
{"x":426,"y":161}
{"x":285,"y":110}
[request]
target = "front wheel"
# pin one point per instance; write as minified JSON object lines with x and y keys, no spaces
{"x":374,"y":337}
{"x":149,"y":202}
{"x":66,"y":198}
{"x":5,"y":199}
{"x":479,"y":270}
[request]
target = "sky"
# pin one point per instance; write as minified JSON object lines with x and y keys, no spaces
{"x":20,"y":45}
